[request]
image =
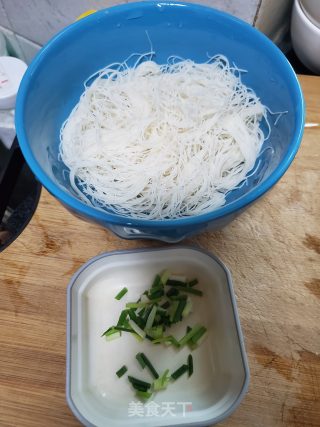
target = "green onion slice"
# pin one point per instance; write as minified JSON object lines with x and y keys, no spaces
{"x":143,"y":395}
{"x":151,"y":317}
{"x":137,"y":329}
{"x":112,"y":335}
{"x":162,"y":382}
{"x":187,"y":309}
{"x":122,"y":371}
{"x":193,"y":282}
{"x":149,"y":365}
{"x":122,"y":317}
{"x":176,"y":283}
{"x":194,"y":341}
{"x":180,"y":371}
{"x":157,"y":281}
{"x":178,"y":314}
{"x":165,"y":276}
{"x":184,"y":340}
{"x":140,"y":304}
{"x":140,"y":360}
{"x":190,"y":365}
{"x":121,"y":293}
{"x":139,"y":383}
{"x":155,"y":332}
{"x":167,"y":340}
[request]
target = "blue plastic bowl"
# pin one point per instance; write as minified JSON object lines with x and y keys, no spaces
{"x":53,"y":84}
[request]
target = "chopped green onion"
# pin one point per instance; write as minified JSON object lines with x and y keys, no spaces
{"x":146,"y":314}
{"x":178,"y":314}
{"x":176,"y":283}
{"x":157,"y":309}
{"x":167,"y":340}
{"x":165,"y":377}
{"x":137,"y":329}
{"x":155,"y":332}
{"x":165,"y":305}
{"x":121,"y":293}
{"x":155,"y":293}
{"x":172,"y":292}
{"x":180,"y":371}
{"x":163,"y":317}
{"x":112,"y":335}
{"x":156,"y":282}
{"x":139,"y":387}
{"x":149,"y":365}
{"x":192,"y":291}
{"x":137,"y":304}
{"x":166,"y":321}
{"x":139,"y":383}
{"x":157,"y":319}
{"x":162,"y":382}
{"x":151,"y":317}
{"x":197,"y":336}
{"x":165,"y":276}
{"x":109,"y":331}
{"x":157,"y":385}
{"x":122,"y":371}
{"x":143,"y":395}
{"x":137,"y":337}
{"x":184,"y":340}
{"x":193,"y":282}
{"x":105,"y":332}
{"x":144,"y":298}
{"x":122,"y":317}
{"x":173,"y":309}
{"x":190,"y":365}
{"x":140,"y":313}
{"x":174,"y":341}
{"x":125,"y":324}
{"x":140,"y":360}
{"x":122,"y":329}
{"x":161,"y":311}
{"x":187,"y":309}
{"x":135,"y":318}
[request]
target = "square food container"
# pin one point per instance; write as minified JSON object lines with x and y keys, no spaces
{"x":98,"y":397}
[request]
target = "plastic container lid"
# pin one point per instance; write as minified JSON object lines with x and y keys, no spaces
{"x":11,"y":73}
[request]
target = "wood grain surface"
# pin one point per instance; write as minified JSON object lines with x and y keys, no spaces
{"x":273,"y":252}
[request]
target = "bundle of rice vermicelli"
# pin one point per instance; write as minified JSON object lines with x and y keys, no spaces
{"x":162,"y":141}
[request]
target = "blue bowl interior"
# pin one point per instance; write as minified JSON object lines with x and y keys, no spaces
{"x":54,"y":81}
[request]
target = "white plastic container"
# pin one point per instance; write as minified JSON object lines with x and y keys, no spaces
{"x":11,"y":73}
{"x":305,"y":36}
{"x":94,"y":392}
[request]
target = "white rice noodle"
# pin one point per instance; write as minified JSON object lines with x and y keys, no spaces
{"x":162,"y":141}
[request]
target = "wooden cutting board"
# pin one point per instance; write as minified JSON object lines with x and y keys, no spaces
{"x":273,"y":252}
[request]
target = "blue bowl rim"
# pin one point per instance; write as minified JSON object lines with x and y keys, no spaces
{"x":229,"y":281}
{"x":106,"y":217}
